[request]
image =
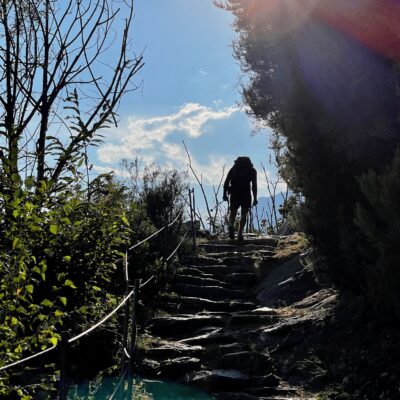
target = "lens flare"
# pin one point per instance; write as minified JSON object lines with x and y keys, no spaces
{"x":374,"y":23}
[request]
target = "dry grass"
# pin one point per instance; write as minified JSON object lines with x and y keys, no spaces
{"x":291,"y":245}
{"x":145,"y":342}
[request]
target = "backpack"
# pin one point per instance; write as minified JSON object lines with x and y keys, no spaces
{"x":242,"y":173}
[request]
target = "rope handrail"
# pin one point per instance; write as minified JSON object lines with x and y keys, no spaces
{"x":27,"y":358}
{"x":119,"y":384}
{"x":167,"y":259}
{"x":72,"y":339}
{"x":104,"y":319}
{"x":177,"y":247}
{"x":157,"y":232}
{"x":148,"y":238}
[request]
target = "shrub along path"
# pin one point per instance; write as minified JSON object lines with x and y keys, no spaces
{"x":208,"y":334}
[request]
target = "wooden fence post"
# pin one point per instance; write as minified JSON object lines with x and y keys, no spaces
{"x":63,"y":389}
{"x":135,"y":299}
{"x":192,"y":218}
{"x":193,"y":202}
{"x":126,"y":316}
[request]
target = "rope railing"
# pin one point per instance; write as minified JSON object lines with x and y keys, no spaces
{"x":122,"y":378}
{"x":157,"y":232}
{"x":167,"y":259}
{"x":27,"y":358}
{"x":101,"y":322}
{"x":73,"y":339}
{"x":177,"y":247}
{"x":128,"y":295}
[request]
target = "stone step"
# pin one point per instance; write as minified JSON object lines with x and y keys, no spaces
{"x":220,"y":247}
{"x":228,"y":253}
{"x":173,"y":350}
{"x":186,"y":304}
{"x":228,"y":348}
{"x":246,"y":319}
{"x":181,"y":326}
{"x":266,"y":253}
{"x":236,"y":260}
{"x":241,"y":278}
{"x":225,"y":251}
{"x":246,"y":361}
{"x":200,"y":260}
{"x":218,"y":380}
{"x":197,"y":280}
{"x":195,"y":271}
{"x":220,"y":271}
{"x":265,"y":241}
{"x":213,"y":337}
{"x":209,"y":292}
{"x":178,"y":367}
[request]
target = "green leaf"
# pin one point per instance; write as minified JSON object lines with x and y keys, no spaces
{"x":29,"y":182}
{"x":53,"y":340}
{"x":124,"y":220}
{"x":54,"y":229}
{"x":15,"y":178}
{"x":70,"y":284}
{"x":14,"y":321}
{"x":96,"y":288}
{"x":67,"y":258}
{"x":83,"y":309}
{"x":29,"y":288}
{"x":58,"y":313}
{"x":63,"y":300}
{"x":46,"y":303}
{"x":66,"y":220}
{"x":29,"y":206}
{"x":15,"y":242}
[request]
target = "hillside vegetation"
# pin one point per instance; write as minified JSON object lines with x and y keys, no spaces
{"x":329,"y":92}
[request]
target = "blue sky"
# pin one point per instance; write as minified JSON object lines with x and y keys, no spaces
{"x":190,"y":92}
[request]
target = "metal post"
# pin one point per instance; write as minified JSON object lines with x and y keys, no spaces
{"x":126,"y":316}
{"x":194,"y":221}
{"x":63,"y":388}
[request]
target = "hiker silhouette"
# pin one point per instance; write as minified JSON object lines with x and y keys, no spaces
{"x":237,"y":186}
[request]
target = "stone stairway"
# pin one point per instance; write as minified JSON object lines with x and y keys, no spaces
{"x":208,"y":336}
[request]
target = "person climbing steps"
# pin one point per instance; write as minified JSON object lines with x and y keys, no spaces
{"x":239,"y":184}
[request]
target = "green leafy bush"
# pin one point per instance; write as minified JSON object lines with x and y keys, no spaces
{"x":379,"y":222}
{"x":57,"y":263}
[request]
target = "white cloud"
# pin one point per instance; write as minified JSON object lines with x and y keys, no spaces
{"x":202,"y":72}
{"x":209,"y":173}
{"x":148,"y":134}
{"x":155,"y":139}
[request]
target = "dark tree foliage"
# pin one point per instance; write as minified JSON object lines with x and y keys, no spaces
{"x":333,"y":102}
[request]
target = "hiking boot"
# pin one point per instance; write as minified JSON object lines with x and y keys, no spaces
{"x":240,"y":237}
{"x":231,"y":233}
